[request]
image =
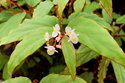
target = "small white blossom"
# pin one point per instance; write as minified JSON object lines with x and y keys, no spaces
{"x":56,"y":30}
{"x":51,"y":50}
{"x":73,"y":38}
{"x":46,"y":36}
{"x":59,"y":46}
{"x":69,"y":31}
{"x":58,"y":38}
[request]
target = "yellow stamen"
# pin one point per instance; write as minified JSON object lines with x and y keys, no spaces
{"x":50,"y":50}
{"x":45,"y":36}
{"x":54,"y":30}
{"x":74,"y":38}
{"x":69,"y":32}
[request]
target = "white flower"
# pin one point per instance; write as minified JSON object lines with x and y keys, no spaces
{"x":56,"y":30}
{"x":51,"y":50}
{"x":46,"y":36}
{"x":73,"y":38}
{"x":58,"y":38}
{"x":69,"y":31}
{"x":59,"y":46}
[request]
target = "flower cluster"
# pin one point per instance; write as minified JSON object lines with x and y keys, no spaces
{"x":57,"y":36}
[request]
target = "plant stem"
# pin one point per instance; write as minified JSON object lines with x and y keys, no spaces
{"x":120,"y":28}
{"x":119,"y":35}
{"x":12,"y":2}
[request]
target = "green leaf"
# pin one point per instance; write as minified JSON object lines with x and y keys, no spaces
{"x":4,"y":16}
{"x":30,"y":43}
{"x":4,"y":3}
{"x":119,"y":72}
{"x":3,"y":61}
{"x":88,"y":76}
{"x":55,"y":1}
{"x":61,"y":79}
{"x":43,"y":9}
{"x":115,"y":15}
{"x":103,"y":69}
{"x":57,"y":69}
{"x":11,"y":24}
{"x":121,"y":19}
{"x":91,"y":7}
{"x":32,"y":3}
{"x":78,"y":5}
{"x":28,"y":26}
{"x":18,"y":80}
{"x":107,"y":5}
{"x":61,"y":6}
{"x":31,"y":33}
{"x":5,"y":74}
{"x":69,"y":55}
{"x":94,"y":17}
{"x":84,"y":54}
{"x":106,"y":17}
{"x":97,"y":38}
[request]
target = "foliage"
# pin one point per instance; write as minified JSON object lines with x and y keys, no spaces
{"x":66,"y":34}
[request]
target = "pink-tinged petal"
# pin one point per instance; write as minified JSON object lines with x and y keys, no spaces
{"x":54,"y":34}
{"x":74,"y":38}
{"x":46,"y":36}
{"x":59,"y":46}
{"x":57,"y":27}
{"x":58,"y":39}
{"x":74,"y":41}
{"x":68,"y":29}
{"x":56,"y":51}
{"x":50,"y":50}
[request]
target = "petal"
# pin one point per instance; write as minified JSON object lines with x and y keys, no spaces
{"x":58,"y":39}
{"x":56,"y":51}
{"x":46,"y":47}
{"x":57,"y":27}
{"x":46,"y":39}
{"x":68,"y":29}
{"x":72,"y":34}
{"x":58,"y":46}
{"x":46,"y":36}
{"x":50,"y":53}
{"x":74,"y":41}
{"x":54,"y":34}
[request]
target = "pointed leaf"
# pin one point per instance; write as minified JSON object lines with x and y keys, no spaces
{"x":32,"y":2}
{"x":3,"y":61}
{"x":119,"y":72}
{"x":18,"y":80}
{"x":84,"y":54}
{"x":28,"y":26}
{"x":88,"y":76}
{"x":78,"y":5}
{"x":26,"y":47}
{"x":103,"y":69}
{"x":97,"y":38}
{"x":115,"y":15}
{"x":69,"y":55}
{"x":5,"y":74}
{"x":43,"y":9}
{"x":94,"y":17}
{"x":61,"y":79}
{"x":91,"y":7}
{"x":4,"y":16}
{"x":106,"y":17}
{"x":121,"y":20}
{"x":107,"y":5}
{"x":12,"y":23}
{"x":4,"y":3}
{"x":61,"y":6}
